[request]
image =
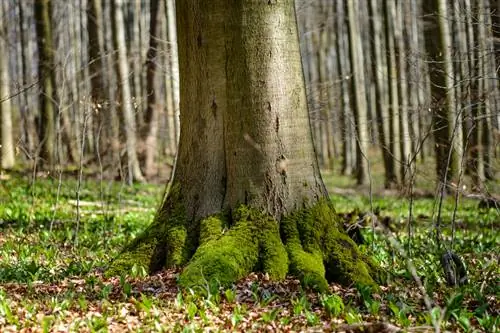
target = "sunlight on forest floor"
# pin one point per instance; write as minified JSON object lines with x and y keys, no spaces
{"x":51,"y":267}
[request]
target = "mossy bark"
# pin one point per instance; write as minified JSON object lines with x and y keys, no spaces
{"x":223,"y":248}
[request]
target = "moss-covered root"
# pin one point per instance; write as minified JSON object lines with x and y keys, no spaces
{"x":164,"y":243}
{"x":319,"y":251}
{"x":252,"y":243}
{"x":138,"y":253}
{"x":344,"y":262}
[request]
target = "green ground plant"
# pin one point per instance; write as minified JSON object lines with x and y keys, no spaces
{"x":48,"y":280}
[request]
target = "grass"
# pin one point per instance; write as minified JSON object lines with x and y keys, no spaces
{"x":53,"y":250}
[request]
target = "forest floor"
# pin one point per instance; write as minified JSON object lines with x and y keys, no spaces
{"x":56,"y":237}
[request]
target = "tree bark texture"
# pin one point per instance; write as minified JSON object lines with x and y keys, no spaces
{"x":437,"y":45}
{"x":247,"y":193}
{"x":127,"y":107}
{"x":46,"y":67}
{"x":7,"y":159}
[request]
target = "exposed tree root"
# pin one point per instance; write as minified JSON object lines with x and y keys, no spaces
{"x":218,"y":250}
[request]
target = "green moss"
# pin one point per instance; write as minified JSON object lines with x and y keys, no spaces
{"x":223,"y":260}
{"x":274,"y":257}
{"x":211,"y":228}
{"x":317,"y":248}
{"x":253,"y":243}
{"x":344,"y":262}
{"x":306,"y":265}
{"x":163,"y":242}
{"x":308,"y":243}
{"x":139,"y":255}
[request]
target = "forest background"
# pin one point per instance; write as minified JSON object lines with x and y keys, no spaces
{"x":404,"y":107}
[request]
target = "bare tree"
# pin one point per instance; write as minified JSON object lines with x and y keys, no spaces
{"x":46,"y":74}
{"x":7,"y":139}
{"x":127,"y":107}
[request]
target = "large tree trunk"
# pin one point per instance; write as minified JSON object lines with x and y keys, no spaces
{"x":246,"y":160}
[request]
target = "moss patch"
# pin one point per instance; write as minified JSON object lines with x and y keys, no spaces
{"x":317,"y":247}
{"x":251,"y":244}
{"x":308,"y":243}
{"x":164,"y":243}
{"x":223,"y":260}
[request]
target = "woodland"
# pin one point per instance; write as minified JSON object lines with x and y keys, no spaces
{"x":281,"y":165}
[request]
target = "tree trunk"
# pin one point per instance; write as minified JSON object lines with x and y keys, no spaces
{"x":150,"y":127}
{"x":437,"y":45}
{"x":47,"y":131}
{"x":346,"y":76}
{"x":359,"y":93}
{"x":406,"y":164}
{"x":7,"y":140}
{"x":378,"y":68}
{"x":134,"y":172}
{"x":246,"y":161}
{"x":393,"y":111}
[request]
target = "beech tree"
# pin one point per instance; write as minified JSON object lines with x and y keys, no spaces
{"x":246,"y":194}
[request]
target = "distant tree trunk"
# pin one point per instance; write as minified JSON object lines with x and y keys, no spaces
{"x":7,"y":159}
{"x":134,"y":171}
{"x":96,"y":68}
{"x":27,"y":120}
{"x":402,"y":71}
{"x":150,"y":128}
{"x":173,"y":69}
{"x":416,"y":91}
{"x":491,"y":86}
{"x":359,"y":93}
{"x":46,"y":73}
{"x":393,"y":110}
{"x":379,"y":68}
{"x":437,"y":45}
{"x":348,"y":137}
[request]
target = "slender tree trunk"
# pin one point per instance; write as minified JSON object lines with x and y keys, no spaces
{"x":174,"y":68}
{"x":393,"y":110}
{"x":150,"y":128}
{"x":134,"y":172}
{"x":348,"y":138}
{"x":359,"y":93}
{"x":46,"y":71}
{"x":7,"y":159}
{"x":437,"y":44}
{"x":96,"y":69}
{"x":404,"y":120}
{"x":379,"y":68}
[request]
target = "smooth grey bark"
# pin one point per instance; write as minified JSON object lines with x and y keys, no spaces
{"x":348,"y":136}
{"x":437,"y":45}
{"x":127,"y":107}
{"x":359,"y":93}
{"x":46,"y":75}
{"x":379,"y":69}
{"x":7,"y":159}
{"x":170,"y":10}
{"x":392,"y":118}
{"x":406,"y":164}
{"x":245,"y":132}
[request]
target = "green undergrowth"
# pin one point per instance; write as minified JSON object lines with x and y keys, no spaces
{"x":53,"y":251}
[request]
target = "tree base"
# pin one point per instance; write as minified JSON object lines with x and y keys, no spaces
{"x":219,"y":250}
